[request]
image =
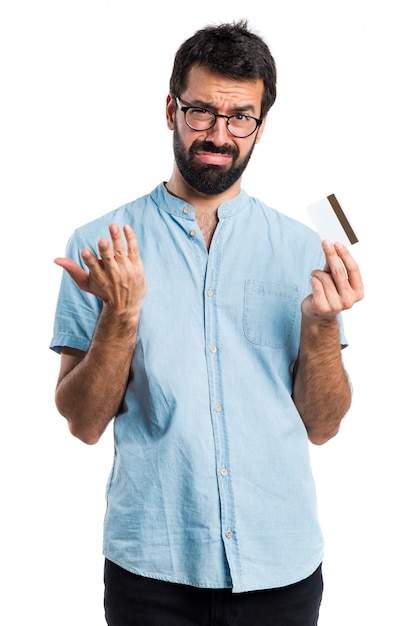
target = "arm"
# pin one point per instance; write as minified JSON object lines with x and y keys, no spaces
{"x":321,"y":388}
{"x":91,"y":385}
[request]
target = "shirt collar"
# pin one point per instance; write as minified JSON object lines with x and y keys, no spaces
{"x":179,"y":208}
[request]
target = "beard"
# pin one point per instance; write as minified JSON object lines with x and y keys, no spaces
{"x":203,"y":177}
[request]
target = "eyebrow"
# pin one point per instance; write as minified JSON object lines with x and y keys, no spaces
{"x":200,"y":104}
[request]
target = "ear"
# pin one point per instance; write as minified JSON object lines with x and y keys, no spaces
{"x":261,"y":129}
{"x":170,"y":110}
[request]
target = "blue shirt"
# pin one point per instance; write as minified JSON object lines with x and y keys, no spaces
{"x":211,"y":484}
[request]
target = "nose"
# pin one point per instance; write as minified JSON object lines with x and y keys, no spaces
{"x":218,"y":133}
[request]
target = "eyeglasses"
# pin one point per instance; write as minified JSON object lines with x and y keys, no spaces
{"x":238,"y":125}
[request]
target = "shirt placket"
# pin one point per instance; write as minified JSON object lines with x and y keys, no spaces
{"x":218,"y":413}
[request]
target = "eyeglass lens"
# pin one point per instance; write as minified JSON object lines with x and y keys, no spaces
{"x":238,"y":125}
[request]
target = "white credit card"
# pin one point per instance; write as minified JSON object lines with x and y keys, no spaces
{"x":331,"y":221}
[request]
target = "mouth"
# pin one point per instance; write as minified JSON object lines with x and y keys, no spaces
{"x":213,"y":158}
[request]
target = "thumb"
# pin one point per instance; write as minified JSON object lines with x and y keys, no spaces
{"x":79,"y":276}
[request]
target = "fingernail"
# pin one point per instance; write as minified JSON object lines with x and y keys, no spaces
{"x":339,"y":245}
{"x":327,"y":243}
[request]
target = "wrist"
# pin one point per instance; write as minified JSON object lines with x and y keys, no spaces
{"x":117,"y":322}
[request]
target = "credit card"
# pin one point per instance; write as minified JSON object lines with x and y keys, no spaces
{"x":331,"y":222}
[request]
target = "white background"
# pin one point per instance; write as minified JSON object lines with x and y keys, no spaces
{"x":83,"y":87}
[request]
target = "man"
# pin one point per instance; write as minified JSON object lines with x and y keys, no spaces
{"x":213,"y":337}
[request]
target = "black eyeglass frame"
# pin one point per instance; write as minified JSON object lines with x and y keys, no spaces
{"x":184,"y":110}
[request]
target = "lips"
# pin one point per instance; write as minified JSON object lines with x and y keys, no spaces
{"x":213,"y":158}
{"x":209,"y":154}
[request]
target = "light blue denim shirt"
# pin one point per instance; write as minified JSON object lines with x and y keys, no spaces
{"x":211,"y":484}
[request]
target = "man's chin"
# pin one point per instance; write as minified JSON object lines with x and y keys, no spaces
{"x":210,"y":180}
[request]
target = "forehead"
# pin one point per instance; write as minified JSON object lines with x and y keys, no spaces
{"x":207,"y":87}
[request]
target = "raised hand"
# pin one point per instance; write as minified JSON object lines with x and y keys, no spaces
{"x":117,"y":277}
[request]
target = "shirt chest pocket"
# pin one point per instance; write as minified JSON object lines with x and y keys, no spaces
{"x":270,"y":312}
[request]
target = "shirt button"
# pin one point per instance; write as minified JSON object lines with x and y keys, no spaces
{"x":218,"y":408}
{"x":224,"y":471}
{"x":186,"y":210}
{"x":213,"y":349}
{"x":229,"y":534}
{"x":210,"y":293}
{"x":192,"y":233}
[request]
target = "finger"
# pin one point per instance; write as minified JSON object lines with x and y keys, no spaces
{"x":351,"y":267}
{"x":119,"y":250}
{"x":67,"y":264}
{"x":105,"y":251}
{"x":319,"y":299}
{"x":79,"y":276}
{"x":334,"y":264}
{"x":325,"y":295}
{"x":133,"y":250}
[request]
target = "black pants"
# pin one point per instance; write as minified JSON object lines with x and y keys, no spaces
{"x":132,"y":600}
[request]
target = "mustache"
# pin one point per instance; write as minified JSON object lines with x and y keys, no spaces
{"x":208,"y":146}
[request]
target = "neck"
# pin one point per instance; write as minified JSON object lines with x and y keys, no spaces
{"x":206,"y":207}
{"x":203,"y":204}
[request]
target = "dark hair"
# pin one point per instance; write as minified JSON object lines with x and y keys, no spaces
{"x":231,"y":50}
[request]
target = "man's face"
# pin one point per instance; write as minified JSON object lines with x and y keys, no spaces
{"x":212,"y":161}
